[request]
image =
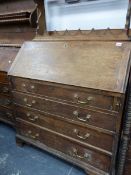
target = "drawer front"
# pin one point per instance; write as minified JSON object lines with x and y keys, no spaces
{"x":66,"y":93}
{"x":6,"y":114}
{"x":83,"y":134}
{"x":3,"y":77}
{"x":85,"y":116}
{"x":4,"y":89}
{"x":65,"y":146}
{"x":5,"y":101}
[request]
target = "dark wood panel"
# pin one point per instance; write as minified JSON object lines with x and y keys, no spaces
{"x":13,"y":6}
{"x":59,"y":108}
{"x":81,"y":97}
{"x":82,"y":134}
{"x":9,"y":35}
{"x":5,"y":101}
{"x":4,"y":89}
{"x":6,"y":115}
{"x":61,"y":144}
{"x":3,"y":77}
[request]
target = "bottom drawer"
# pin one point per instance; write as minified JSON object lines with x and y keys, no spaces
{"x":64,"y":145}
{"x":6,"y":115}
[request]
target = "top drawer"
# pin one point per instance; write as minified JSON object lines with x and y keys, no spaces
{"x":79,"y":96}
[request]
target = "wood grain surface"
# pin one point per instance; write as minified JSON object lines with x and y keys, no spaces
{"x":98,"y":65}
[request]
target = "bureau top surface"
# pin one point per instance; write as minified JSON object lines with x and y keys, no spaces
{"x":7,"y":55}
{"x":97,"y":65}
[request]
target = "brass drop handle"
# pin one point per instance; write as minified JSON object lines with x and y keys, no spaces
{"x":88,"y":99}
{"x":88,"y":116}
{"x":32,"y":118}
{"x":32,"y":87}
{"x":32,"y":136}
{"x":24,"y":85}
{"x":86,"y":155}
{"x":87,"y":135}
{"x":29,"y":105}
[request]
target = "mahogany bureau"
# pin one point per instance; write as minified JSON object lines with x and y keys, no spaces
{"x":68,"y":99}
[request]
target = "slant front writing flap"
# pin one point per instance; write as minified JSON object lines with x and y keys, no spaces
{"x":99,"y":65}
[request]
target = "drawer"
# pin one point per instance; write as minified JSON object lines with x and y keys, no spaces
{"x":82,"y":115}
{"x":3,"y":77}
{"x":79,"y":96}
{"x":4,"y":89}
{"x":82,"y":134}
{"x":6,"y":115}
{"x":5,"y":101}
{"x":64,"y":145}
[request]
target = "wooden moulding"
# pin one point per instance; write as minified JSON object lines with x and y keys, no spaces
{"x":18,"y":12}
{"x":18,"y":24}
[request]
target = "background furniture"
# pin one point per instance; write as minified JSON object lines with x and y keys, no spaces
{"x":17,"y":19}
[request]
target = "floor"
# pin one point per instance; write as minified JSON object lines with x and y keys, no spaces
{"x":28,"y":160}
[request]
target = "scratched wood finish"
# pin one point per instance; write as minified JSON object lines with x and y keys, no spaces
{"x":86,"y":117}
{"x":87,"y":135}
{"x":56,"y":107}
{"x":67,"y":89}
{"x":68,"y":94}
{"x":64,"y":145}
{"x":92,"y":73}
{"x":40,"y":103}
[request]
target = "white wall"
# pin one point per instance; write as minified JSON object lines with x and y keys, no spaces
{"x":86,"y":15}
